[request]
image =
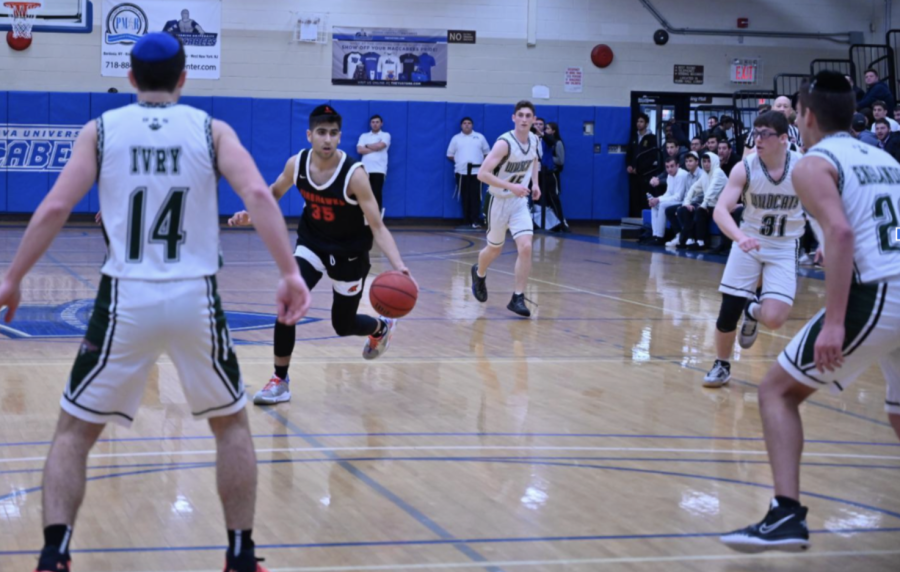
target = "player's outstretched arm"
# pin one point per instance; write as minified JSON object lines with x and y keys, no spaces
{"x":815,"y":181}
{"x":361,"y":190}
{"x":73,"y":183}
{"x":728,"y":201}
{"x":486,"y":172}
{"x":282,"y":184}
{"x":239,"y":169}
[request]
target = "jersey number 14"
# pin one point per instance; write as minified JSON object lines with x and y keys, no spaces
{"x":167,"y":226}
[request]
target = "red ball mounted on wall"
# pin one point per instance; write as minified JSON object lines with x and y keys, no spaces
{"x":601,"y":55}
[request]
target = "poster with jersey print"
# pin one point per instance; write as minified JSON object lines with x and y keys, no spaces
{"x":386,"y":57}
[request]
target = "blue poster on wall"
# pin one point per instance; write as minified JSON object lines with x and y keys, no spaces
{"x":384,"y":57}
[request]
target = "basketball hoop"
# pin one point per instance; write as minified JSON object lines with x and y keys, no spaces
{"x":23,"y":15}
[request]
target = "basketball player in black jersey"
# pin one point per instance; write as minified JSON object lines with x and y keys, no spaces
{"x":334,"y":238}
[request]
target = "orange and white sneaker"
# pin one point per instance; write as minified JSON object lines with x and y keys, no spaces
{"x":375,"y":347}
{"x":276,"y":391}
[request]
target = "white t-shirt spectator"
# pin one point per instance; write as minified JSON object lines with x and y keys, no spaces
{"x":376,"y":161}
{"x":465,"y":149}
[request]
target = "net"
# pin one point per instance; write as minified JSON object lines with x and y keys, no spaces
{"x":23,"y":15}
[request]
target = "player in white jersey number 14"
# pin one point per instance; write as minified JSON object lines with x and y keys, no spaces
{"x":852,"y":192}
{"x":765,"y":245}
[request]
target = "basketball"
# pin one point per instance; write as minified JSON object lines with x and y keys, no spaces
{"x":393,"y":294}
{"x":602,"y":55}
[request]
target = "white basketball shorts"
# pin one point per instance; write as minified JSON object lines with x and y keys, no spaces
{"x":776,"y":264}
{"x":133,"y":323}
{"x":871,"y":335}
{"x":512,"y":214}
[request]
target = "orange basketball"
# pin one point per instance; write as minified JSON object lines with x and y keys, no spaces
{"x":393,"y":294}
{"x":601,"y":55}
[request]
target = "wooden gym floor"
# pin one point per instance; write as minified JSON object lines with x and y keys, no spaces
{"x":578,"y":440}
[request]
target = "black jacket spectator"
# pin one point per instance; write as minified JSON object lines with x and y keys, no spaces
{"x":878,"y":90}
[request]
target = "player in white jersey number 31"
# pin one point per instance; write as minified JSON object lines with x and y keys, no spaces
{"x":157,"y":165}
{"x":852,"y":194}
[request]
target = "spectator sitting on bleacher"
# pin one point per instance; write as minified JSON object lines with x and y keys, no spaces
{"x":897,"y":114}
{"x":727,"y":159}
{"x":876,"y":91}
{"x":860,"y":129}
{"x":696,"y":211}
{"x":676,"y":187}
{"x":659,"y":181}
{"x":887,"y":140}
{"x":694,"y":174}
{"x":697,"y":145}
{"x":879,"y":111}
{"x":727,"y":127}
{"x":712,"y":143}
{"x":642,"y":161}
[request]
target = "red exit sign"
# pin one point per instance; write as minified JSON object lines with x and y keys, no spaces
{"x":741,"y":73}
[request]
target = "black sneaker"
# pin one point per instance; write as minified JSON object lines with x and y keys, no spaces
{"x":52,"y":561}
{"x":479,"y":285}
{"x":517,"y":305}
{"x":245,"y":562}
{"x":781,"y":529}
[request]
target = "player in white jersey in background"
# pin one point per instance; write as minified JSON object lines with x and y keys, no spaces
{"x":765,"y":245}
{"x":156,"y":164}
{"x":510,"y":166}
{"x":852,"y":192}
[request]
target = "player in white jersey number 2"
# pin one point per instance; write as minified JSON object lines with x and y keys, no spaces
{"x":157,"y":165}
{"x":852,"y":193}
{"x":508,"y":169}
{"x":765,"y":245}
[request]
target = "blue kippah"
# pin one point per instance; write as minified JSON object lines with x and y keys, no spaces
{"x":155,"y":47}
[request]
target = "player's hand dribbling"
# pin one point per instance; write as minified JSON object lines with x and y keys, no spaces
{"x":10,"y":296}
{"x":240,"y":218}
{"x":406,"y":271}
{"x":293,"y":299}
{"x":748,"y":243}
{"x":536,"y":194}
{"x":829,"y":348}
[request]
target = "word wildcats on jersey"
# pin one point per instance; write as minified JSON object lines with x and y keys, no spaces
{"x":36,"y":148}
{"x":155,"y":160}
{"x":774,"y":202}
{"x":881,"y":175}
{"x":518,"y":166}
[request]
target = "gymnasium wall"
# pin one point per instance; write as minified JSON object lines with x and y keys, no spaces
{"x":260,"y":61}
{"x":420,"y":179}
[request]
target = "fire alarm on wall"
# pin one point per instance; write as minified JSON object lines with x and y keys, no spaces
{"x":743,"y":22}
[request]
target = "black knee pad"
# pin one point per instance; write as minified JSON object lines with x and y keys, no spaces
{"x":730,"y":313}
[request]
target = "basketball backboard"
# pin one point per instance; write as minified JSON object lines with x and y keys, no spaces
{"x":75,"y":16}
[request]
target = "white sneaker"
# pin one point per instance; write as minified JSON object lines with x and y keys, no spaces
{"x":718,"y":375}
{"x":674,"y":241}
{"x":689,"y":242}
{"x":749,"y":329}
{"x":375,"y":347}
{"x":276,"y":391}
{"x":805,"y":260}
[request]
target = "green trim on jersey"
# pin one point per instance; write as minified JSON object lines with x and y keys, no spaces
{"x":224,"y":360}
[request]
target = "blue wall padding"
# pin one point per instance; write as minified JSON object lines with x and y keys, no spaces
{"x":420,"y":180}
{"x":271,"y":139}
{"x":576,"y":181}
{"x":237,"y":112}
{"x":396,"y":194}
{"x":29,"y":188}
{"x":292,"y":202}
{"x":4,"y":97}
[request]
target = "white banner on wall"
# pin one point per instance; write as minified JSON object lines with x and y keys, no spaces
{"x":197,"y":22}
{"x":574,"y":80}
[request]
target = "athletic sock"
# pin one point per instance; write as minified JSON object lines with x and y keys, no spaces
{"x":787,"y":502}
{"x":753,"y":310}
{"x":724,"y":363}
{"x":382,"y":328}
{"x":58,"y":535}
{"x":281,"y":372}
{"x":240,"y":541}
{"x":517,"y":293}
